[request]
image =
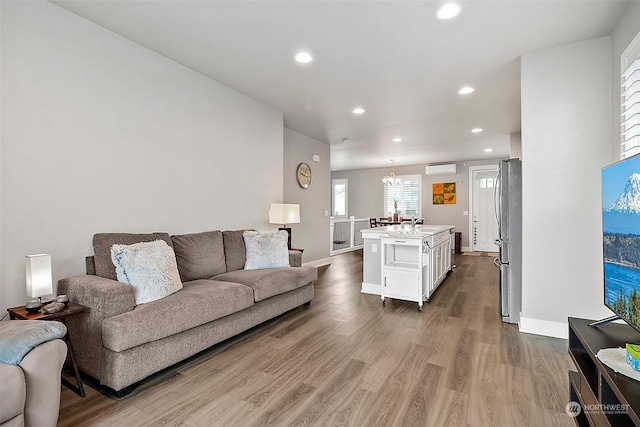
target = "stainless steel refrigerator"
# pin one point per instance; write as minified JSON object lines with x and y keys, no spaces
{"x":508,"y":204}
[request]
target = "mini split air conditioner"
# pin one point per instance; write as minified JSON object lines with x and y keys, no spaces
{"x":441,"y":169}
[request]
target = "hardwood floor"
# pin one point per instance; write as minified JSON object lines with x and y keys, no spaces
{"x":350,"y":361}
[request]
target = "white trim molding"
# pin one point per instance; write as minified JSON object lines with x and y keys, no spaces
{"x":544,"y":327}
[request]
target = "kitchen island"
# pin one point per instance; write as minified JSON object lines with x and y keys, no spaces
{"x":404,"y":263}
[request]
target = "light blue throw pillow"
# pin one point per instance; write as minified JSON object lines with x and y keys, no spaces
{"x":266,"y":249}
{"x":150,"y":267}
{"x":18,"y":337}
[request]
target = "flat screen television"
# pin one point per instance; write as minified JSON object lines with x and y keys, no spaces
{"x":621,"y":239}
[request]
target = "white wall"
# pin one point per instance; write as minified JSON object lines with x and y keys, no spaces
{"x":100,"y":134}
{"x":515,"y":145}
{"x":312,"y":234}
{"x":566,"y":139}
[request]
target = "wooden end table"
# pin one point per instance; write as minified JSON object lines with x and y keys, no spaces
{"x":71,"y":309}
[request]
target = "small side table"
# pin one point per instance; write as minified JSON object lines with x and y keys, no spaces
{"x":298,"y":250}
{"x":71,"y":309}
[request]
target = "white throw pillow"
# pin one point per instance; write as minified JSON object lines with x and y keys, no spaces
{"x":266,"y":250}
{"x":150,"y":267}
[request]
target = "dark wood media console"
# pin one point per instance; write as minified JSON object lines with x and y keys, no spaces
{"x":606,"y":398}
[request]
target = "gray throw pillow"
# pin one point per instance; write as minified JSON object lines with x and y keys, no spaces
{"x":150,"y":267}
{"x":102,"y":243}
{"x":266,"y":249}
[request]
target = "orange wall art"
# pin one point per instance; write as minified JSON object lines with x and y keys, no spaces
{"x":444,"y":193}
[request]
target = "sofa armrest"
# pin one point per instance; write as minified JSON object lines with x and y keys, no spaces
{"x":295,"y":258}
{"x":41,"y":367}
{"x":107,"y":296}
{"x":13,"y":392}
{"x":104,"y":298}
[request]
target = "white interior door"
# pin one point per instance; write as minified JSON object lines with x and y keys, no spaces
{"x":484,"y":227}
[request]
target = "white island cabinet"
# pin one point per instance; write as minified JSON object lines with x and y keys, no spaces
{"x":406,"y":264}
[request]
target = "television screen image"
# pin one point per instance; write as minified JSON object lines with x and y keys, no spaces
{"x":621,"y":238}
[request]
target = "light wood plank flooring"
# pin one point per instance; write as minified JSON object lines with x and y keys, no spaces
{"x":350,"y":361}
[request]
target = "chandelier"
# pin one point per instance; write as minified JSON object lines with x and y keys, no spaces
{"x":391,"y":178}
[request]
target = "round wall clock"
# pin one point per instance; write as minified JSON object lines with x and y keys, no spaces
{"x":303,"y":175}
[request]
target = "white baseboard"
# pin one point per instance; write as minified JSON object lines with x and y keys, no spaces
{"x":349,"y":249}
{"x":370,"y":288}
{"x":544,"y":327}
{"x":319,"y":262}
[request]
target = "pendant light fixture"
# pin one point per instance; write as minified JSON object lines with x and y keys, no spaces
{"x":391,"y":178}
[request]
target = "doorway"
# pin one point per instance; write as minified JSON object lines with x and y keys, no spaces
{"x":483,"y":224}
{"x":339,"y":198}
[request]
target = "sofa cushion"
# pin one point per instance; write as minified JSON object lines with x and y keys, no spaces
{"x":197,"y":303}
{"x":266,"y":250}
{"x":199,"y":255}
{"x":274,"y":281}
{"x":150,"y":267}
{"x":234,"y":250}
{"x":102,"y":243}
{"x":18,"y":337}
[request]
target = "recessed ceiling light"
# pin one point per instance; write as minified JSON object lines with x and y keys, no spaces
{"x":304,"y":57}
{"x":476,"y":130}
{"x":466,"y":90}
{"x":358,"y":110}
{"x":448,"y":11}
{"x":397,"y":139}
{"x":488,"y":150}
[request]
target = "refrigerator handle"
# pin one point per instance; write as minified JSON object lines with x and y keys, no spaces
{"x":496,"y":198}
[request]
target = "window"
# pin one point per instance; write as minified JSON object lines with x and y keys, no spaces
{"x":487,"y":182}
{"x":340,"y":197}
{"x":407,"y":195}
{"x":630,"y":100}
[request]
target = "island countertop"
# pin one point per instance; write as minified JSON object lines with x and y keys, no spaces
{"x":405,"y":231}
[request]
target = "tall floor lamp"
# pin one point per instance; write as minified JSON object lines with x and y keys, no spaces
{"x":282,"y":213}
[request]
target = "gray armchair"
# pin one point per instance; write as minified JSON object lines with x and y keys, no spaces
{"x":30,"y":383}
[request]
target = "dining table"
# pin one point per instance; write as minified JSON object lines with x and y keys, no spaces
{"x":385,"y":221}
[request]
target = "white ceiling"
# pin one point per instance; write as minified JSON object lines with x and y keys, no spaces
{"x":393,"y":58}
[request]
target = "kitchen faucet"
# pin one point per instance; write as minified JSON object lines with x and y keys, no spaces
{"x":414,"y":220}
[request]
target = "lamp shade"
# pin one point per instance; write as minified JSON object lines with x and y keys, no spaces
{"x":38,"y":271}
{"x":281,"y":213}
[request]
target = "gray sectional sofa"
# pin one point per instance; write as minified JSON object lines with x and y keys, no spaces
{"x":119,"y":343}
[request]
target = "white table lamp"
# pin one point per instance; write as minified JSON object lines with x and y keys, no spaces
{"x":38,"y":271}
{"x":283,"y":213}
